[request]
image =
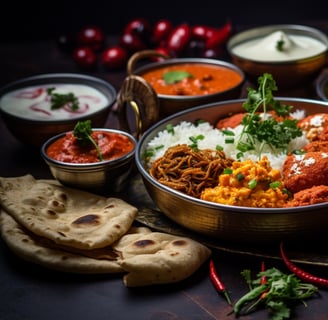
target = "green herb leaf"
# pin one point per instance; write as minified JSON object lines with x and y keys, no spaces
{"x":281,"y":292}
{"x":59,"y":100}
{"x":266,"y":130}
{"x":82,"y":132}
{"x":171,"y":77}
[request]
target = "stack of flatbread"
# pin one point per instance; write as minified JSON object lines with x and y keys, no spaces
{"x":76,"y":231}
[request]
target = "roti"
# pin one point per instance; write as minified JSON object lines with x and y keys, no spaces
{"x":66,"y":216}
{"x":159,"y":258}
{"x":34,"y":249}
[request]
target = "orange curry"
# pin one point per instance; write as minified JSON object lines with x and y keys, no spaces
{"x":192,"y":79}
{"x":69,"y":149}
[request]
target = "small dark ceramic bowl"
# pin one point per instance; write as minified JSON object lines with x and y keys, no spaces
{"x":289,"y":73}
{"x":103,"y":177}
{"x":35,"y":131}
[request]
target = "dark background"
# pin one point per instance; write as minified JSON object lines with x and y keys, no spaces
{"x":35,"y":20}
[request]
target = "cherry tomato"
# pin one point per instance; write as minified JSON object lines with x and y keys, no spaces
{"x":219,"y":36}
{"x":139,"y":27}
{"x":91,"y":36}
{"x":161,"y":31}
{"x":179,"y":38}
{"x":85,"y":57}
{"x":114,"y":57}
{"x":132,"y":42}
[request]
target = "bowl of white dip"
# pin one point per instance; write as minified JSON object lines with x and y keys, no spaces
{"x":293,"y":54}
{"x":39,"y":107}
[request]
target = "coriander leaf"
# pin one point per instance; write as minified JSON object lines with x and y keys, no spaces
{"x":82,"y":132}
{"x":171,"y":77}
{"x":280,"y":45}
{"x":259,"y":131}
{"x":59,"y":100}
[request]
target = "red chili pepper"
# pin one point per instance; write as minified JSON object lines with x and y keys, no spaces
{"x":218,"y":284}
{"x":264,"y":280}
{"x":301,"y":273}
{"x":179,"y":38}
{"x":219,"y":36}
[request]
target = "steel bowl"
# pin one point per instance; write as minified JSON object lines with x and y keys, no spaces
{"x":36,"y":131}
{"x":231,"y":223}
{"x":104,"y":177}
{"x":287,"y":73}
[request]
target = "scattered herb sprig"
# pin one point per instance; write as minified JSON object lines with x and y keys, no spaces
{"x":281,"y":292}
{"x":59,"y":100}
{"x":82,"y":132}
{"x":266,"y":129}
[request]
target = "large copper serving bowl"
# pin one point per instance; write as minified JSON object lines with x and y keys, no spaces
{"x":232,"y":223}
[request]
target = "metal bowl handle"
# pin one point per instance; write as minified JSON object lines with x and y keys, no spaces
{"x":140,"y":55}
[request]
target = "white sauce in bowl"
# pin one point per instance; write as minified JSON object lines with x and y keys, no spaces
{"x":34,"y":103}
{"x":293,"y":47}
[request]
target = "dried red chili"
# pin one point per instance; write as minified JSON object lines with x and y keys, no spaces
{"x":300,"y":273}
{"x":218,"y":284}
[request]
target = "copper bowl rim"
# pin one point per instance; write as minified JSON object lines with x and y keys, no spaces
{"x":152,"y":131}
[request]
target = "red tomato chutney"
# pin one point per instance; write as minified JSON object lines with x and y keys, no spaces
{"x":69,"y":149}
{"x":203,"y":79}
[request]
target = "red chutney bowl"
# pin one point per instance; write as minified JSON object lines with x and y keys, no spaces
{"x":77,"y":165}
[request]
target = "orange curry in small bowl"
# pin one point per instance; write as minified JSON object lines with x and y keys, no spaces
{"x":112,"y":145}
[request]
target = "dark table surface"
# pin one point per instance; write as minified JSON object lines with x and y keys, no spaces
{"x":31,"y":292}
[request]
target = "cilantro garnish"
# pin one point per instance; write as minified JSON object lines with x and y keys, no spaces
{"x":82,"y":132}
{"x":280,"y":45}
{"x":59,"y":100}
{"x":278,"y":294}
{"x":266,"y":129}
{"x":171,"y":77}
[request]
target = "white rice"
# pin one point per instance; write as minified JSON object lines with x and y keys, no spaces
{"x":213,"y":137}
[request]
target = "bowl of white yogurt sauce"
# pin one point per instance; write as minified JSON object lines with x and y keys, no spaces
{"x":39,"y":107}
{"x":293,"y":54}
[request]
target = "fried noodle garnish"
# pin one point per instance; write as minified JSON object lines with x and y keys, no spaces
{"x":188,"y":170}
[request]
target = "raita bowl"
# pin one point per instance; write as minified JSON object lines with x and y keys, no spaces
{"x":226,"y":222}
{"x":293,"y":54}
{"x":29,"y":115}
